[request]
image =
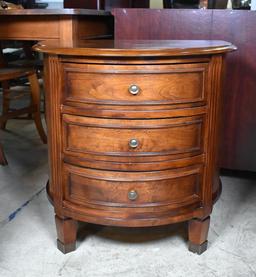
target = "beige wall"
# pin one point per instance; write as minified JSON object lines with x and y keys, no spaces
{"x":156,"y":4}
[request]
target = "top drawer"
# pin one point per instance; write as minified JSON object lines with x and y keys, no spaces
{"x":135,"y":84}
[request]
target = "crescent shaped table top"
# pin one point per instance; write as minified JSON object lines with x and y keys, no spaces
{"x":27,"y":12}
{"x":133,"y":48}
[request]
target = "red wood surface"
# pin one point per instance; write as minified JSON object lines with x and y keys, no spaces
{"x":238,"y":27}
{"x":148,"y":162}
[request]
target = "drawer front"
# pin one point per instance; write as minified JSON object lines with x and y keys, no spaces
{"x":129,"y":189}
{"x":135,"y":85}
{"x":114,"y":137}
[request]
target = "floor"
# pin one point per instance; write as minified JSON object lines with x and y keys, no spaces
{"x":27,"y":230}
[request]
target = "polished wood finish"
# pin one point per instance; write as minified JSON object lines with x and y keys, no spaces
{"x":111,"y":137}
{"x":66,"y":228}
{"x":133,"y":157}
{"x":239,"y":120}
{"x":197,"y":234}
{"x":87,"y":84}
{"x":111,"y":188}
{"x":139,"y":48}
{"x":7,"y":74}
{"x":62,"y":24}
{"x":54,"y":12}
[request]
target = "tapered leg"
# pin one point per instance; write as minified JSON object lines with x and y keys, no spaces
{"x":5,"y":103}
{"x":35,"y":94}
{"x":3,"y":160}
{"x":66,"y":232}
{"x":197,"y":233}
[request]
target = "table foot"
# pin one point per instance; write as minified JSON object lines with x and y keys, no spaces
{"x":66,"y":248}
{"x":197,"y":233}
{"x":197,"y":248}
{"x":66,"y":232}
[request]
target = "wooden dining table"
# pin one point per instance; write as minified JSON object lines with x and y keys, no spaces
{"x":62,"y":24}
{"x":66,"y":25}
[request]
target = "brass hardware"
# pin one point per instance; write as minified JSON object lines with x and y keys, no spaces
{"x":134,"y":89}
{"x":133,"y":143}
{"x":132,"y":195}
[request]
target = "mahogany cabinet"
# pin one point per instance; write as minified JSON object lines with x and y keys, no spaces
{"x":133,"y":133}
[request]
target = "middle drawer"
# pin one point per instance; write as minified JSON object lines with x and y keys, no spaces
{"x":112,"y":139}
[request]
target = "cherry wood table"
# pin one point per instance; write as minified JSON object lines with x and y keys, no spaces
{"x":133,"y":133}
{"x":62,"y":24}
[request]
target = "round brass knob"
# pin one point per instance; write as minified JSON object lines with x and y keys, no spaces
{"x":133,"y":143}
{"x":134,"y":89}
{"x":132,"y":195}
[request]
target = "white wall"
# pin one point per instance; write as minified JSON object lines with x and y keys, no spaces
{"x":52,"y":4}
{"x":156,"y":4}
{"x":253,"y":5}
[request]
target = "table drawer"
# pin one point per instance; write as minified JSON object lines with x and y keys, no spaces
{"x":135,"y":85}
{"x":115,"y":137}
{"x":96,"y":187}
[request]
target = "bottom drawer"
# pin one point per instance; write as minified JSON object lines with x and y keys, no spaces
{"x":132,"y":189}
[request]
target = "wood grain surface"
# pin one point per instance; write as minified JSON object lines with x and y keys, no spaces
{"x":149,"y":163}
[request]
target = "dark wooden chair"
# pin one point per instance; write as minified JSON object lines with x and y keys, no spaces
{"x":8,"y":74}
{"x":25,"y":58}
{"x":3,"y":160}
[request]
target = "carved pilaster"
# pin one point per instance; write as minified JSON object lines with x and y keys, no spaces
{"x":53,"y":117}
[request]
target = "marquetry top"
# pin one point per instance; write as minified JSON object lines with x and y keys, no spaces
{"x":135,"y":48}
{"x":31,"y":12}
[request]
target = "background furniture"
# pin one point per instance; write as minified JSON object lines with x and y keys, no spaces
{"x":181,"y":4}
{"x":210,"y":4}
{"x":217,"y":4}
{"x":21,"y":56}
{"x":238,"y":145}
{"x":66,"y":25}
{"x":82,"y":4}
{"x":6,"y":75}
{"x":3,"y":160}
{"x":27,"y":4}
{"x":110,"y":4}
{"x":241,"y":4}
{"x":106,"y":4}
{"x":133,"y":131}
